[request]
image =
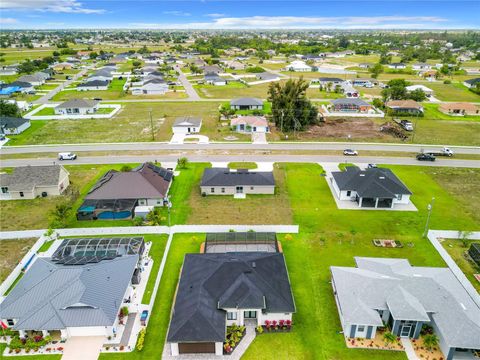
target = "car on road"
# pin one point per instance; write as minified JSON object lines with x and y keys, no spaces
{"x":68,"y":77}
{"x":425,"y":157}
{"x":444,"y":152}
{"x":350,"y":152}
{"x":67,"y":156}
{"x":97,"y":99}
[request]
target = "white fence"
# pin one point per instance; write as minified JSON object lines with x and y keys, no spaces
{"x":31,"y":115}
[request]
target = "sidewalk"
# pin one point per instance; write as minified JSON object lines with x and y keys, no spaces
{"x":407,"y":344}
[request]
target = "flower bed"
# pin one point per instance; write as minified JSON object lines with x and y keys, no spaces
{"x":274,"y":326}
{"x":235,"y":334}
{"x":387,"y":243}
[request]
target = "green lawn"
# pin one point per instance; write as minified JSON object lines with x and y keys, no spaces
{"x":453,"y":92}
{"x":431,"y":112}
{"x":29,"y":136}
{"x":46,"y":111}
{"x":458,"y":253}
{"x":242,"y":165}
{"x":156,"y":253}
{"x":46,"y":245}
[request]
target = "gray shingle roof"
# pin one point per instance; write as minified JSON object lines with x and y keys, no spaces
{"x":209,"y":281}
{"x":187,"y":121}
{"x":246,"y":102}
{"x":7,"y":122}
{"x":350,"y":101}
{"x":376,"y":182}
{"x":77,"y":103}
{"x":266,"y":76}
{"x":375,"y":283}
{"x":28,"y":177}
{"x":472,"y":81}
{"x":225,"y":177}
{"x":94,"y":83}
{"x":53,"y":297}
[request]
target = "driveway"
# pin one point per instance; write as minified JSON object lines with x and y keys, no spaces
{"x":195,"y":139}
{"x":83,"y":347}
{"x":192,"y":94}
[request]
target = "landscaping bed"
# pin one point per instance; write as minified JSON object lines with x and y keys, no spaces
{"x":387,"y":243}
{"x":235,"y":334}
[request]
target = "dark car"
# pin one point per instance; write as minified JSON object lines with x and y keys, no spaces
{"x":425,"y":157}
{"x":372,"y":166}
{"x":97,"y":99}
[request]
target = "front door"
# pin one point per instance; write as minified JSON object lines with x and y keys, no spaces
{"x":239,"y":189}
{"x":250,"y":314}
{"x":406,"y":329}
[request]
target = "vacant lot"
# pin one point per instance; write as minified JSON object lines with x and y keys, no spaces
{"x":11,"y":252}
{"x":458,"y":252}
{"x":453,"y":92}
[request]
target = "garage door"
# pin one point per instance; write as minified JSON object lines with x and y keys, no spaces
{"x":196,"y":348}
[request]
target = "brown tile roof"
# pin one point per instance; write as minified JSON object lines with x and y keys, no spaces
{"x":403,"y":104}
{"x":458,"y":106}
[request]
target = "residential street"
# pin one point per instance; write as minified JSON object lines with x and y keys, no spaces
{"x":192,"y":94}
{"x":241,"y":158}
{"x":284,"y":146}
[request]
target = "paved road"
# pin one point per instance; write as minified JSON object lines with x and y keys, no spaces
{"x":229,"y":158}
{"x":45,"y":98}
{"x":282,"y":146}
{"x":192,"y":94}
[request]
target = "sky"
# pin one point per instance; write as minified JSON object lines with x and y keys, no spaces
{"x":244,"y":14}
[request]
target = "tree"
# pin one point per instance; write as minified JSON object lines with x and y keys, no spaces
{"x":182,"y":163}
{"x":396,"y":90}
{"x":126,"y":168}
{"x":93,"y":55}
{"x":378,"y":103}
{"x":418,"y":95}
{"x":60,"y":214}
{"x":8,"y":109}
{"x":291,"y":109}
{"x":389,"y":338}
{"x":430,"y":341}
{"x":136,"y":63}
{"x":376,"y":70}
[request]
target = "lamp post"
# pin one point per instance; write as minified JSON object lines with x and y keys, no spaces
{"x":429,"y":208}
{"x":169,"y":206}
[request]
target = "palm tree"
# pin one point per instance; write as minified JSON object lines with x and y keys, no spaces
{"x":389,"y":338}
{"x":430,"y":340}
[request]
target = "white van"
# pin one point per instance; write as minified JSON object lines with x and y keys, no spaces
{"x":67,"y":156}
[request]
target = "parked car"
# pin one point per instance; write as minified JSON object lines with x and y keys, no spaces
{"x":350,"y":152}
{"x":372,"y":166}
{"x":97,"y":99}
{"x":425,"y":157}
{"x":68,"y":77}
{"x":143,"y":318}
{"x":67,"y":156}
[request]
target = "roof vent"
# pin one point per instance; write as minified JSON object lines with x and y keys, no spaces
{"x":382,"y":177}
{"x":254,"y":264}
{"x":362,"y":174}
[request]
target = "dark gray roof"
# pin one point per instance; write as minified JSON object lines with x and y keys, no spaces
{"x":7,"y":122}
{"x":376,"y":182}
{"x":52,"y":296}
{"x":28,"y":177}
{"x":22,"y":84}
{"x":225,"y":177}
{"x":472,"y":81}
{"x":266,"y":76}
{"x":187,"y":121}
{"x":246,"y":102}
{"x":350,"y":101}
{"x":144,"y":182}
{"x":211,"y":281}
{"x":94,"y":83}
{"x":77,"y":103}
{"x":330,"y":79}
{"x":213,"y":77}
{"x":409,"y":293}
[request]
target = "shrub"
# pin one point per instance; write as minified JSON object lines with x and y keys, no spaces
{"x":447,"y":81}
{"x":137,"y":221}
{"x":141,"y":339}
{"x":126,"y":168}
{"x":260,"y":329}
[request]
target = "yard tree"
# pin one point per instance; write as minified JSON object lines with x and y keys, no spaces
{"x":376,"y":70}
{"x":182,"y":163}
{"x":430,"y":341}
{"x":418,"y":95}
{"x":396,"y":90}
{"x":9,"y":110}
{"x":291,"y":109}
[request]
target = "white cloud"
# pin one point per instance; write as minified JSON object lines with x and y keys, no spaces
{"x":305,"y":22}
{"x":176,"y":13}
{"x":215,"y":15}
{"x":8,"y":21}
{"x":56,"y":6}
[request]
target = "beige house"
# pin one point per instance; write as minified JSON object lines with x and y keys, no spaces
{"x":30,"y":182}
{"x":459,"y":109}
{"x":223,"y":181}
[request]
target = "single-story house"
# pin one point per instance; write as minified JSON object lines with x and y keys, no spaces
{"x":266,"y":76}
{"x":62,"y":66}
{"x":77,"y":107}
{"x":298,"y":66}
{"x":246,"y":104}
{"x":351,"y":105}
{"x":404,"y":106}
{"x":35,"y":79}
{"x":223,"y":181}
{"x":187,"y":125}
{"x":426,"y":90}
{"x":250,"y":124}
{"x":235,"y":65}
{"x":25,"y":87}
{"x":21,"y":104}
{"x":211,"y":69}
{"x":151,"y":87}
{"x":117,"y":193}
{"x":421,"y":66}
{"x":370,"y":188}
{"x":363,"y":82}
{"x":8,"y":70}
{"x":347,"y":89}
{"x":13,"y":125}
{"x":381,"y":291}
{"x":397,"y":66}
{"x":365,"y":65}
{"x":93,"y":85}
{"x":471,"y":83}
{"x":214,"y":79}
{"x":460,"y":109}
{"x":328,"y":81}
{"x":79,"y":291}
{"x":217,"y":290}
{"x":29,"y":182}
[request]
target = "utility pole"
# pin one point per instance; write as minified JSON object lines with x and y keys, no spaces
{"x":429,"y":208}
{"x":151,"y":125}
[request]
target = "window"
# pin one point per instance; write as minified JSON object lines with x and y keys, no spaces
{"x":212,"y":190}
{"x":231,"y":315}
{"x":5,"y":190}
{"x":22,"y":194}
{"x":223,"y":190}
{"x":399,"y":197}
{"x":251,"y":187}
{"x":349,"y":193}
{"x":10,"y":322}
{"x":361,"y":328}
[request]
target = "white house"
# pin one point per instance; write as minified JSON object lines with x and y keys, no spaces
{"x":215,"y":79}
{"x":77,"y":107}
{"x":397,"y":66}
{"x":250,"y":124}
{"x":187,"y":125}
{"x":13,"y":125}
{"x":421,"y":66}
{"x":426,"y":90}
{"x":298,"y":66}
{"x":151,"y":87}
{"x":93,"y":85}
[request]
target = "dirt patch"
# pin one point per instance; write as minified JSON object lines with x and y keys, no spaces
{"x":343,"y":128}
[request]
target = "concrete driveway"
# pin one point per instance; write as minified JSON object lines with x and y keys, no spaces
{"x":83,"y":347}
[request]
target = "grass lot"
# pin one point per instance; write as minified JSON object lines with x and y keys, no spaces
{"x":459,"y":254}
{"x":46,"y":245}
{"x":242,"y":165}
{"x":453,"y":92}
{"x":28,"y":135}
{"x":447,"y":132}
{"x":328,"y":237}
{"x":431,"y":112}
{"x":46,"y":111}
{"x":156,"y":253}
{"x":11,"y":252}
{"x":232,"y":90}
